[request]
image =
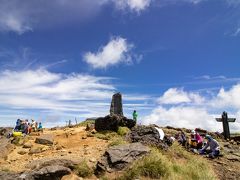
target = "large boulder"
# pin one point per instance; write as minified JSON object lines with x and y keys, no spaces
{"x":112,"y":122}
{"x":46,"y":139}
{"x":54,"y":172}
{"x":38,"y":164}
{"x":148,"y":135}
{"x":118,"y":157}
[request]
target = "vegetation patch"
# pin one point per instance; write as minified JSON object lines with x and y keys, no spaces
{"x":122,"y":131}
{"x":106,"y":135}
{"x":176,"y":163}
{"x":83,"y":170}
{"x":84,"y":123}
{"x":117,"y":141}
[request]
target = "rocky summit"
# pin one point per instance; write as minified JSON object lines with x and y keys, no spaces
{"x":78,"y":152}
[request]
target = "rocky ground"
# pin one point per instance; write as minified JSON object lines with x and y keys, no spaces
{"x":64,"y":148}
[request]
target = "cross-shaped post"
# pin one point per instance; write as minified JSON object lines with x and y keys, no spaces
{"x":225,"y":121}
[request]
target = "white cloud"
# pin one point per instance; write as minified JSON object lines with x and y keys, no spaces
{"x":117,"y":50}
{"x":178,"y":116}
{"x":187,"y":109}
{"x":228,"y":99}
{"x":177,"y":96}
{"x":133,"y":5}
{"x":28,"y":15}
{"x":42,"y":94}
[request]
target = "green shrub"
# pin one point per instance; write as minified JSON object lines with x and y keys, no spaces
{"x":154,"y":165}
{"x":176,"y":163}
{"x":122,"y":131}
{"x":83,"y":170}
{"x":117,"y":141}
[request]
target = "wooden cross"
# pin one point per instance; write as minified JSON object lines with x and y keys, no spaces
{"x":225,"y":121}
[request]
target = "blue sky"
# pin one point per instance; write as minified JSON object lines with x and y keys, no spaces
{"x":175,"y":61}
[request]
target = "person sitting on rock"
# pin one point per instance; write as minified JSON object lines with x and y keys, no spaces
{"x":214,"y":150}
{"x":135,"y":115}
{"x":196,"y":140}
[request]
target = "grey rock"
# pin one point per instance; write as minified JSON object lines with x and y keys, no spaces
{"x":148,"y":135}
{"x":54,"y":172}
{"x":113,"y":122}
{"x":119,"y":157}
{"x":38,"y":164}
{"x":116,"y":105}
{"x":46,"y":139}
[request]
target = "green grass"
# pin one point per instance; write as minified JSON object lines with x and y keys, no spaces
{"x":84,"y":123}
{"x":122,"y":131}
{"x":176,"y":163}
{"x":117,"y":141}
{"x":83,"y":170}
{"x":106,"y":135}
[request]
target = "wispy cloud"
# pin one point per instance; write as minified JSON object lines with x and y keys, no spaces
{"x":28,"y":15}
{"x":117,"y":50}
{"x":237,"y":32}
{"x":133,"y":5}
{"x":43,"y":93}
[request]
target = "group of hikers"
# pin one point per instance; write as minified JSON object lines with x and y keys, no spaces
{"x":195,"y":142}
{"x":26,"y":127}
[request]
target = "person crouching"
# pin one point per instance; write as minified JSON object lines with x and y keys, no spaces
{"x":214,"y":150}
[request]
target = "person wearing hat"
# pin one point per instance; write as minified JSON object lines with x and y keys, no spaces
{"x":214,"y":147}
{"x":196,"y":140}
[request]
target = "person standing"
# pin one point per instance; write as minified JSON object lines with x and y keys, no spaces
{"x":135,"y":115}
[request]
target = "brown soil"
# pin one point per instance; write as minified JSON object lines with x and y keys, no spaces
{"x":75,"y":146}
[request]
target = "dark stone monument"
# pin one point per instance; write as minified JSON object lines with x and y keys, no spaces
{"x":224,"y":119}
{"x":116,"y":105}
{"x":115,"y":119}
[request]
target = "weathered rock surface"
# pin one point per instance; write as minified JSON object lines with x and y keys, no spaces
{"x":22,"y":152}
{"x":27,"y":145}
{"x":54,"y":172}
{"x":116,"y":105}
{"x":233,"y":158}
{"x":119,"y":157}
{"x":5,"y":131}
{"x":35,"y":150}
{"x":8,"y":176}
{"x":46,"y":139}
{"x":113,"y":122}
{"x":38,"y":164}
{"x":148,"y":135}
{"x":5,"y":147}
